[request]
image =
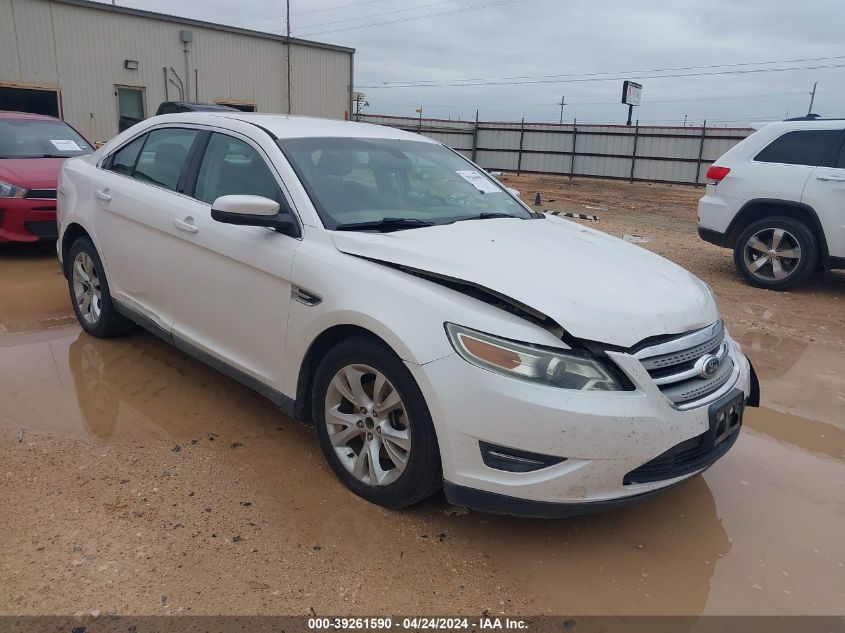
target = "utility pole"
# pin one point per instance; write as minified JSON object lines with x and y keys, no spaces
{"x":812,"y":97}
{"x":287,"y":30}
{"x":561,"y":104}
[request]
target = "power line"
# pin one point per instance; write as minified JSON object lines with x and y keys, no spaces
{"x":335,"y":8}
{"x":489,"y":5}
{"x":618,"y":72}
{"x":376,"y":15}
{"x":595,"y":79}
{"x":583,"y":103}
{"x":338,"y":7}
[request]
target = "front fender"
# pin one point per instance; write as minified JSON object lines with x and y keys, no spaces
{"x":405,"y":311}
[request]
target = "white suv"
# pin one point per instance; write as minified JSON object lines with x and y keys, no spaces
{"x":778,"y":199}
{"x":436,"y":331}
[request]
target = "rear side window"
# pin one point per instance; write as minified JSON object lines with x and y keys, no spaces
{"x":232,"y":167}
{"x":805,"y":147}
{"x":840,"y":158}
{"x":123,"y":160}
{"x":163,"y":157}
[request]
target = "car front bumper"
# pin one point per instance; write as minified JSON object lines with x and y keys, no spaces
{"x":602,"y":436}
{"x":27,"y":219}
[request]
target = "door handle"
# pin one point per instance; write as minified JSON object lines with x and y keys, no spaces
{"x":186,"y":225}
{"x":829,"y":177}
{"x":102,"y":194}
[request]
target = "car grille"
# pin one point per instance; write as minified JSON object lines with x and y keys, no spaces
{"x":45,"y":229}
{"x":41,"y":194}
{"x":674,"y":365}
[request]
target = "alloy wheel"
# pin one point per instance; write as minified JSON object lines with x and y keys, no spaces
{"x":368,"y":425}
{"x":86,"y":288}
{"x":772,"y":254}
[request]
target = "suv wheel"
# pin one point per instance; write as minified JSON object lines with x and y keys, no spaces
{"x":374,"y":426}
{"x":776,"y":253}
{"x":89,"y":292}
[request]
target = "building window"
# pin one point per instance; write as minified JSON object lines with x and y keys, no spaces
{"x":24,"y":99}
{"x":130,"y":106}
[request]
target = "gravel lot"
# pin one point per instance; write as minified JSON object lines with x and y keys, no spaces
{"x":135,"y":480}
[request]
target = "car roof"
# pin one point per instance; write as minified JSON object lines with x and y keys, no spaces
{"x":291,"y":126}
{"x":26,"y":116}
{"x":197,"y":104}
{"x":801,"y":124}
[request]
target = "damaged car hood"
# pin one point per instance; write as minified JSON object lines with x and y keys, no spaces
{"x":595,"y":286}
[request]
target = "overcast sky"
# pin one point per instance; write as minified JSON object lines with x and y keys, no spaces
{"x":493,"y":39}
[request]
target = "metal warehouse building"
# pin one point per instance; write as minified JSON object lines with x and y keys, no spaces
{"x":93,"y":64}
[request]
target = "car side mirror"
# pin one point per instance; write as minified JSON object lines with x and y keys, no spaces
{"x":512,"y":191}
{"x":251,"y":211}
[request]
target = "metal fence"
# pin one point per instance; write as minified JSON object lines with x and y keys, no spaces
{"x":646,"y":153}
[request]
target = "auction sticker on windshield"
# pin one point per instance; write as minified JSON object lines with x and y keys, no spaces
{"x":65,"y":145}
{"x":478,"y":181}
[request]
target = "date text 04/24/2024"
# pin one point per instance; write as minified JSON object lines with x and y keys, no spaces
{"x":417,"y":623}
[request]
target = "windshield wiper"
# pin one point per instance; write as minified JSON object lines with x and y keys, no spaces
{"x":43,"y":156}
{"x":488,"y":216}
{"x":35,"y":156}
{"x":385,"y":225}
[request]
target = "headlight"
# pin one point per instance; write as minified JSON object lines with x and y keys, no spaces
{"x":552,"y":367}
{"x":11,"y":191}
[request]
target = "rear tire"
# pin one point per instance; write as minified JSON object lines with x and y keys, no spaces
{"x":89,"y":292}
{"x":776,"y":253}
{"x":354,"y":379}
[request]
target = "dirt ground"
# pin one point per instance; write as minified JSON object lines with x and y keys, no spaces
{"x":135,"y":480}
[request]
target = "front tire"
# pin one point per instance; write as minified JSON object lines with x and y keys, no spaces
{"x":776,"y":253}
{"x":373,"y":425}
{"x":89,"y":292}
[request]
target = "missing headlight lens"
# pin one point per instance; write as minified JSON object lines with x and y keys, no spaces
{"x":556,"y":368}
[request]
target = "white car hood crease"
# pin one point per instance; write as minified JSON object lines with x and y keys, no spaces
{"x":597,"y":287}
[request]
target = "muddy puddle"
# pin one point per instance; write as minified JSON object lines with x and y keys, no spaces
{"x":759,"y":533}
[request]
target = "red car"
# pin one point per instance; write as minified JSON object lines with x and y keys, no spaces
{"x":32,"y":150}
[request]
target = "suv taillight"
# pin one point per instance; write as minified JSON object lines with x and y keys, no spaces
{"x":716,"y":174}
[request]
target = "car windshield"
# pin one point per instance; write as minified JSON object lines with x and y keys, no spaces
{"x":27,"y":138}
{"x":397,"y":183}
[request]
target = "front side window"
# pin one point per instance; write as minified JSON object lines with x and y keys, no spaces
{"x":30,"y":138}
{"x":804,"y":147}
{"x":232,"y":167}
{"x":163,"y":157}
{"x":352,"y":181}
{"x":123,"y":160}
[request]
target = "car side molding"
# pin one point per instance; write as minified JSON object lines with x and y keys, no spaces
{"x":285,"y":403}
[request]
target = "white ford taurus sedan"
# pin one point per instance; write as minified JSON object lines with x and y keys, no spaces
{"x":438,"y":333}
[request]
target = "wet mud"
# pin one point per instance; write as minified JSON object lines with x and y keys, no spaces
{"x":134,"y":479}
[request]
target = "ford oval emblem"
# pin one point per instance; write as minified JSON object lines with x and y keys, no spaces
{"x":708,"y":365}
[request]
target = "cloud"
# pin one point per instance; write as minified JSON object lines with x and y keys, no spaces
{"x":548,"y":37}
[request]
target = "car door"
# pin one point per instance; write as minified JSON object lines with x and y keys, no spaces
{"x":231,"y":284}
{"x":825,"y":193}
{"x":137,"y":192}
